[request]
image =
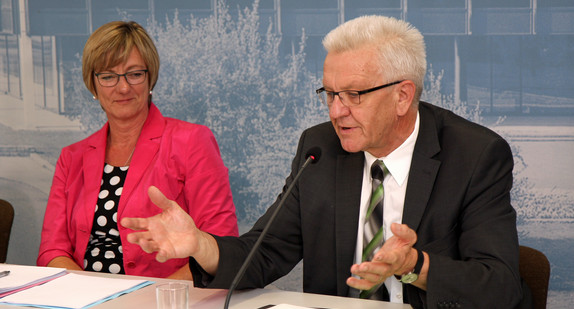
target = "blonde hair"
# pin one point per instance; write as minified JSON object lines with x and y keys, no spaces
{"x":111,"y":44}
{"x":399,"y":45}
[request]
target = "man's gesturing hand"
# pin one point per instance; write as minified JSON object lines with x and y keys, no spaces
{"x":396,"y":256}
{"x":172,"y":233}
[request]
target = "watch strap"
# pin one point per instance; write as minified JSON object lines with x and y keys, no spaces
{"x":420,"y":262}
{"x":413,"y":275}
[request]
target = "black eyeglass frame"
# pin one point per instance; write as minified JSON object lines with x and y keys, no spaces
{"x":358,"y":92}
{"x":118,"y":76}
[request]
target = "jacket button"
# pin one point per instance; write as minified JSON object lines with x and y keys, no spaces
{"x":131,"y":265}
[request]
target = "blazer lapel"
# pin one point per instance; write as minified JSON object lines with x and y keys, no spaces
{"x":348,"y":185}
{"x":93,"y":167}
{"x":423,"y":169}
{"x":146,"y":149}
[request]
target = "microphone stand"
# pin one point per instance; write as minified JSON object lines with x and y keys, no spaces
{"x":243,"y":268}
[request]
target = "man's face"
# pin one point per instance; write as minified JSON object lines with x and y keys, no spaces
{"x":373,"y":124}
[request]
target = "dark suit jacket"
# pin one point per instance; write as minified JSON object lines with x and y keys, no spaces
{"x":457,"y":200}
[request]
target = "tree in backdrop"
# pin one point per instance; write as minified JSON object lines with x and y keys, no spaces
{"x":528,"y":202}
{"x":223,"y":72}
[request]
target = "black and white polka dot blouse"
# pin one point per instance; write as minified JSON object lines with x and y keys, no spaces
{"x":104,"y":252}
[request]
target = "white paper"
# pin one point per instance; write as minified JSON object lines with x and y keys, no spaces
{"x":74,"y":291}
{"x":22,"y":275}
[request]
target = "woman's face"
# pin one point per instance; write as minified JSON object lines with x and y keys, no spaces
{"x":125,"y":101}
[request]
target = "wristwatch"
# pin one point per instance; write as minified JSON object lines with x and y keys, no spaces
{"x":413,"y":275}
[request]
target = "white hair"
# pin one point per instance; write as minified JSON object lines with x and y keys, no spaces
{"x":400,"y":46}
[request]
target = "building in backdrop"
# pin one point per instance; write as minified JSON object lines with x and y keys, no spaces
{"x":512,"y":56}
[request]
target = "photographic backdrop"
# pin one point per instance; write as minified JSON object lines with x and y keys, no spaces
{"x":248,"y":70}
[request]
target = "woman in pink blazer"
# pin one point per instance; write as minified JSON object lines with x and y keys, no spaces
{"x":106,"y":176}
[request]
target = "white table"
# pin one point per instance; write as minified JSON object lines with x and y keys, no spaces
{"x":144,"y":298}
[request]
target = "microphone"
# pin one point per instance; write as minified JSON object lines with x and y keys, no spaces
{"x":312,"y":156}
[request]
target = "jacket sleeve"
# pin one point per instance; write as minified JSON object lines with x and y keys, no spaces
{"x":279,"y":252}
{"x":207,"y":189}
{"x":483,"y":273}
{"x":55,"y":235}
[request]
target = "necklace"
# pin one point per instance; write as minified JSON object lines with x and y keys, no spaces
{"x":130,"y":157}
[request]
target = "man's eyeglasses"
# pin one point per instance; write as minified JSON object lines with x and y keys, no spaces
{"x":111,"y":79}
{"x":348,"y":97}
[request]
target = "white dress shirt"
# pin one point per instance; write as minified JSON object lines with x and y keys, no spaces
{"x":398,"y":163}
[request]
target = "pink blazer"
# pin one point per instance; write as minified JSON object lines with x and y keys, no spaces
{"x":180,"y":158}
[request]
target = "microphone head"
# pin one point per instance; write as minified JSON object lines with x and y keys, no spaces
{"x":314,"y":153}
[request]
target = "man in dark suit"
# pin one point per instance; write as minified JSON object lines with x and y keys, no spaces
{"x":447,"y":228}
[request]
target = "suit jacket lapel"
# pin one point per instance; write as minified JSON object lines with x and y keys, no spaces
{"x":348,"y":185}
{"x":93,"y":167}
{"x":423,"y":169}
{"x":146,"y":149}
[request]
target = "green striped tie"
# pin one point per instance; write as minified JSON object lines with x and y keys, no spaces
{"x":374,"y":218}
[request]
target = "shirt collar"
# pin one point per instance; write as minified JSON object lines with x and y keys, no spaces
{"x":398,"y":162}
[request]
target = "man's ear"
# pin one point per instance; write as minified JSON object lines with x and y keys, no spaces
{"x":406,"y":92}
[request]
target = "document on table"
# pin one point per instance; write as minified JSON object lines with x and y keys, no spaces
{"x":74,"y":291}
{"x":23,"y":277}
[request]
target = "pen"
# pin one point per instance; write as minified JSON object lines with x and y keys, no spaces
{"x":4,"y":273}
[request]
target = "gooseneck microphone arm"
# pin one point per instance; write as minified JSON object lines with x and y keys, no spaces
{"x":312,"y":156}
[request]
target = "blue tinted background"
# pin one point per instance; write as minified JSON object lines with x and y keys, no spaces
{"x":249,"y":74}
